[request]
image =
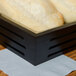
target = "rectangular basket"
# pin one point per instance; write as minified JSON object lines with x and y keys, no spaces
{"x":37,"y":48}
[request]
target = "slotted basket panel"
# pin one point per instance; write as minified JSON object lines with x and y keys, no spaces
{"x":37,"y":48}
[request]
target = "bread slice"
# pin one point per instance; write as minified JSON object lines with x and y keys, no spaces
{"x":67,"y":8}
{"x":35,"y":15}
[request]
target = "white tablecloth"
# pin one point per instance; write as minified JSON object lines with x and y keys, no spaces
{"x":13,"y":65}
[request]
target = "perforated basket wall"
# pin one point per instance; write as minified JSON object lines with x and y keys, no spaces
{"x":37,"y":48}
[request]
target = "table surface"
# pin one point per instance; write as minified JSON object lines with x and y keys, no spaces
{"x":71,"y":54}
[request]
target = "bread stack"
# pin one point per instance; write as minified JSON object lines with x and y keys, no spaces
{"x":67,"y":8}
{"x":39,"y":15}
{"x":36,"y":15}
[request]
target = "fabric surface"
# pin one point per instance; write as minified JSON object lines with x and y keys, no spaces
{"x":14,"y":65}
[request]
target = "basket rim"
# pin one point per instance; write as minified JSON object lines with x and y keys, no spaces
{"x":38,"y":34}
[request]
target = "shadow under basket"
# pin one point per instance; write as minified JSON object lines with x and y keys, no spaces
{"x":37,"y":48}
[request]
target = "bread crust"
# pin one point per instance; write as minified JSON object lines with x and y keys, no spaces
{"x":35,"y":15}
{"x":67,"y":8}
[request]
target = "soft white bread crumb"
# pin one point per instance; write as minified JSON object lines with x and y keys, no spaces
{"x":35,"y":15}
{"x":67,"y":8}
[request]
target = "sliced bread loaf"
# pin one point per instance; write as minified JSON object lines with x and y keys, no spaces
{"x":35,"y":15}
{"x":67,"y":8}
